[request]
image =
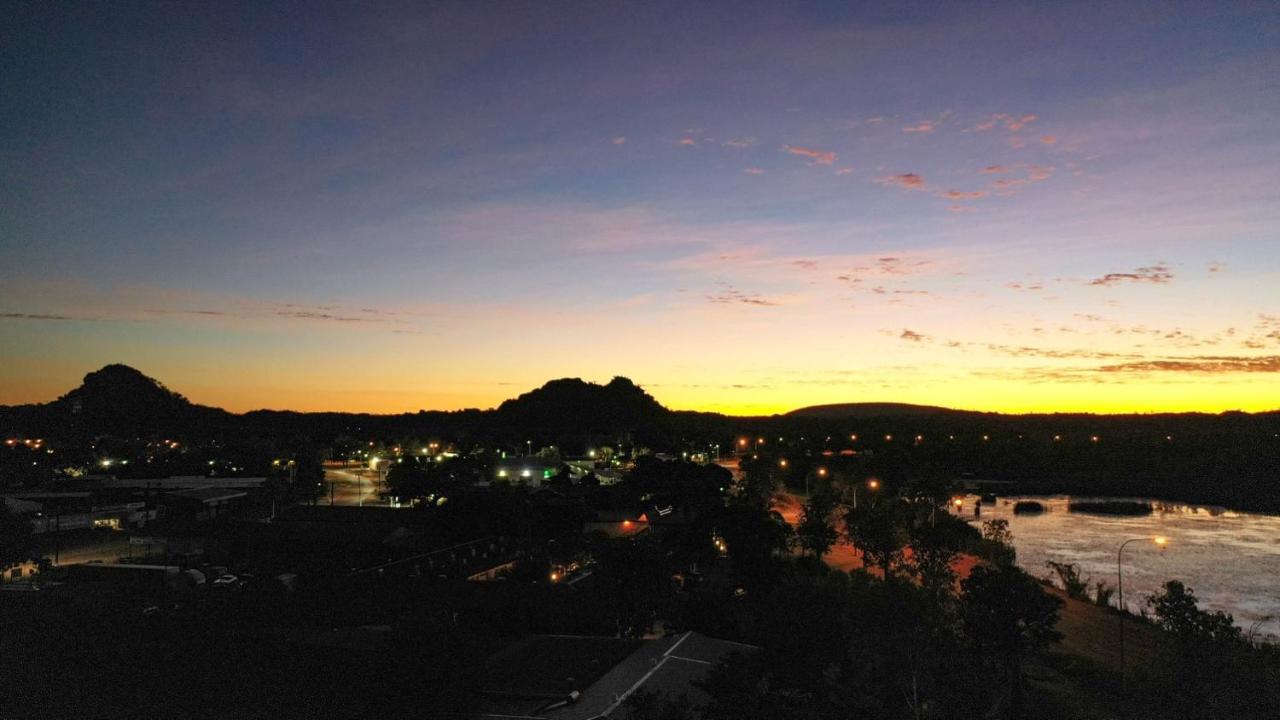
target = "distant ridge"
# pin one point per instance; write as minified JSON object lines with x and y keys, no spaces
{"x":869,"y":410}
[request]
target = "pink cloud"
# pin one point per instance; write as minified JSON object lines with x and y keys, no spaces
{"x":753,"y":171}
{"x":963,"y":194}
{"x":620,"y":140}
{"x":820,"y":157}
{"x":1016,"y":124}
{"x":1048,"y":139}
{"x":844,"y":171}
{"x":924,"y":126}
{"x":1012,"y":123}
{"x":907,"y":181}
{"x":992,"y":169}
{"x":688,"y":141}
{"x":1156,"y":274}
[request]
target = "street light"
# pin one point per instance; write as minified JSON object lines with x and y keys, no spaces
{"x":1160,"y":542}
{"x":872,"y":484}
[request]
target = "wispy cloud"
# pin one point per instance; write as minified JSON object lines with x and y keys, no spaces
{"x":740,"y":143}
{"x":620,"y":140}
{"x":907,"y":181}
{"x":754,"y":171}
{"x":912,"y":336}
{"x":994,"y":169}
{"x":924,"y":126}
{"x":1156,"y":274}
{"x":1206,"y":364}
{"x":821,"y":157}
{"x":730,"y":295}
{"x":1049,"y":139}
{"x":34,"y":316}
{"x":963,"y":194}
{"x":687,"y":141}
{"x":330,"y":317}
{"x":1012,"y":123}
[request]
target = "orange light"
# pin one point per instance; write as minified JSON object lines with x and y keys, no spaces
{"x":555,"y":577}
{"x":957,"y":502}
{"x":742,"y":442}
{"x":853,"y":438}
{"x":1093,"y":438}
{"x":1057,"y":438}
{"x":1161,"y":541}
{"x":873,"y":483}
{"x":822,"y":472}
{"x":626,"y":524}
{"x":782,"y":462}
{"x":888,"y":438}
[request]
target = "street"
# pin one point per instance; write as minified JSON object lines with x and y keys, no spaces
{"x":355,"y":486}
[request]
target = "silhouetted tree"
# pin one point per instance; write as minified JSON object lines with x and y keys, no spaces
{"x":878,"y":529}
{"x":815,"y":532}
{"x":1007,"y":614}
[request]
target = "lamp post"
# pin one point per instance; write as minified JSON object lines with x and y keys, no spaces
{"x":872,"y":484}
{"x":1160,"y":542}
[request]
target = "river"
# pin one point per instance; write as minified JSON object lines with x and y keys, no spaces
{"x":1230,"y":558}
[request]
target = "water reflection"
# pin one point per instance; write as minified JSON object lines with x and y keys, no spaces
{"x":1231,"y":559}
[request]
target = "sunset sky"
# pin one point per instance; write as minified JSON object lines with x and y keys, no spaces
{"x":742,"y":207}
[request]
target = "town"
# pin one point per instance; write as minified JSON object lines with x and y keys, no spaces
{"x":428,"y":575}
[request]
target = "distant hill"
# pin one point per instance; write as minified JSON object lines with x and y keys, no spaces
{"x":571,"y":403}
{"x":121,"y":401}
{"x":116,"y":400}
{"x":869,"y":410}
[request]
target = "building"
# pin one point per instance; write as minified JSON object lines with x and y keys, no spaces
{"x":62,"y":511}
{"x":202,"y":503}
{"x":183,"y":482}
{"x":531,"y":471}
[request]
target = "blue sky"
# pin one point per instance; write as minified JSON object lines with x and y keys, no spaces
{"x":743,"y":206}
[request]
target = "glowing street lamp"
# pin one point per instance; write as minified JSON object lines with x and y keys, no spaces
{"x":872,"y":485}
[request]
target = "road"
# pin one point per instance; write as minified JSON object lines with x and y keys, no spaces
{"x":351,"y":487}
{"x":103,"y":547}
